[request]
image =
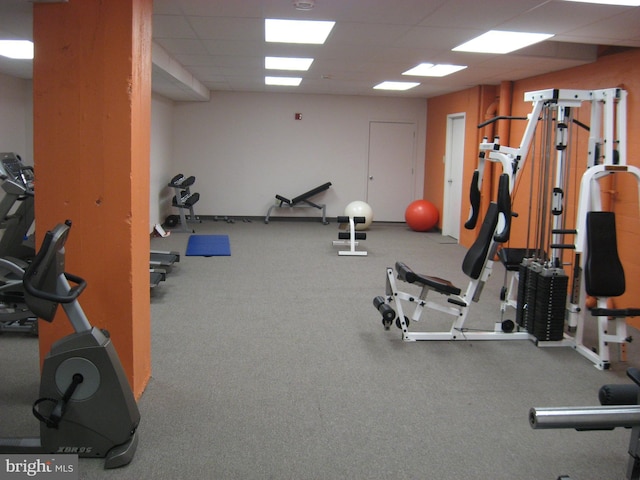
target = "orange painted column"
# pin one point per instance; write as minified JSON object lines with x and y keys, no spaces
{"x":92,"y":115}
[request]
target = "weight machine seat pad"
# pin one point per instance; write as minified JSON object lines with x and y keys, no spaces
{"x":439,"y":284}
{"x":511,"y":258}
{"x":615,"y":312}
{"x":603,"y":271}
{"x":476,"y":256}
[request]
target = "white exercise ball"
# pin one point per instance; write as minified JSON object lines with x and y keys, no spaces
{"x":360,"y":209}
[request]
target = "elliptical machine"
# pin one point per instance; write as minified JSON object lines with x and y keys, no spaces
{"x":86,"y":405}
{"x":17,"y":244}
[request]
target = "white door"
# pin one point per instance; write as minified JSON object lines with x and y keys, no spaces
{"x":390,"y":185}
{"x":454,"y":162}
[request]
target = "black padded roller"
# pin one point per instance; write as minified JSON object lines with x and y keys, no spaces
{"x":619,"y":394}
{"x":377,"y":301}
{"x":345,"y":219}
{"x":347,"y":236}
{"x":388,"y":313}
{"x":504,"y":207}
{"x":474,"y":199}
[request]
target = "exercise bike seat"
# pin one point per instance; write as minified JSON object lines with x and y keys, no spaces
{"x":439,"y":284}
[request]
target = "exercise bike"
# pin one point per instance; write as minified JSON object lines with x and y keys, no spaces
{"x":86,"y":406}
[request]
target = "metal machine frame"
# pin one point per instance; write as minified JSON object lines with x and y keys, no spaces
{"x":607,"y":156}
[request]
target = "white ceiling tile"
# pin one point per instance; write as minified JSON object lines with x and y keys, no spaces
{"x":558,"y":17}
{"x":226,"y":28}
{"x":350,"y":33}
{"x":477,"y":15}
{"x":182,"y":45}
{"x":221,"y":42}
{"x":624,"y":26}
{"x":172,"y":26}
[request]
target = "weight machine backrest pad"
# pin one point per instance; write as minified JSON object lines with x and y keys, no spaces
{"x":476,"y":257}
{"x":310,"y":193}
{"x":603,"y":271}
{"x":504,"y":207}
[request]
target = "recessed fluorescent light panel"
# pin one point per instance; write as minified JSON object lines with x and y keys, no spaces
{"x":287,"y":63}
{"x":17,"y":49}
{"x":498,"y":41}
{"x":626,"y":3}
{"x":297,"y":31}
{"x":283,"y":81}
{"x":396,"y":85}
{"x":431,"y":70}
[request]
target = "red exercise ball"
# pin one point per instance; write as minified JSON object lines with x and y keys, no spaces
{"x":421,"y":215}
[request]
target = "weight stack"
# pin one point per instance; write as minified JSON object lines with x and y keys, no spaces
{"x":527,"y":287}
{"x":550,"y":304}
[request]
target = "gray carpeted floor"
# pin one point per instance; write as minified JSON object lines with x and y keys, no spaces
{"x":273,"y":364}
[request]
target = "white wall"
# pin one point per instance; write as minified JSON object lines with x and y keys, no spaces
{"x":16,"y":117}
{"x":161,"y":159}
{"x":244,"y":148}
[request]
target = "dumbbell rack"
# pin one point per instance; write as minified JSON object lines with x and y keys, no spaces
{"x":184,"y":200}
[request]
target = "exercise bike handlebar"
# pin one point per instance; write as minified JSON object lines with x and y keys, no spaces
{"x":70,"y":296}
{"x":43,"y":270}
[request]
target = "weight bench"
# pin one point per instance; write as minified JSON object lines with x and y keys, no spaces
{"x":350,"y":238}
{"x":477,"y":265}
{"x":302,"y":201}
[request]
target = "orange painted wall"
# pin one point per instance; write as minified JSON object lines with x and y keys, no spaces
{"x":474,"y":102}
{"x":617,"y":70}
{"x":92,"y":108}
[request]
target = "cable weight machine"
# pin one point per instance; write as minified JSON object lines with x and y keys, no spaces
{"x":539,"y":282}
{"x":569,"y":262}
{"x":546,"y":285}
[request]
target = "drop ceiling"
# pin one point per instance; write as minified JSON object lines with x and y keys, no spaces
{"x":203,"y":46}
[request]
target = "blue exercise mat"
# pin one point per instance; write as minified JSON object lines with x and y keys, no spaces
{"x":208,"y":246}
